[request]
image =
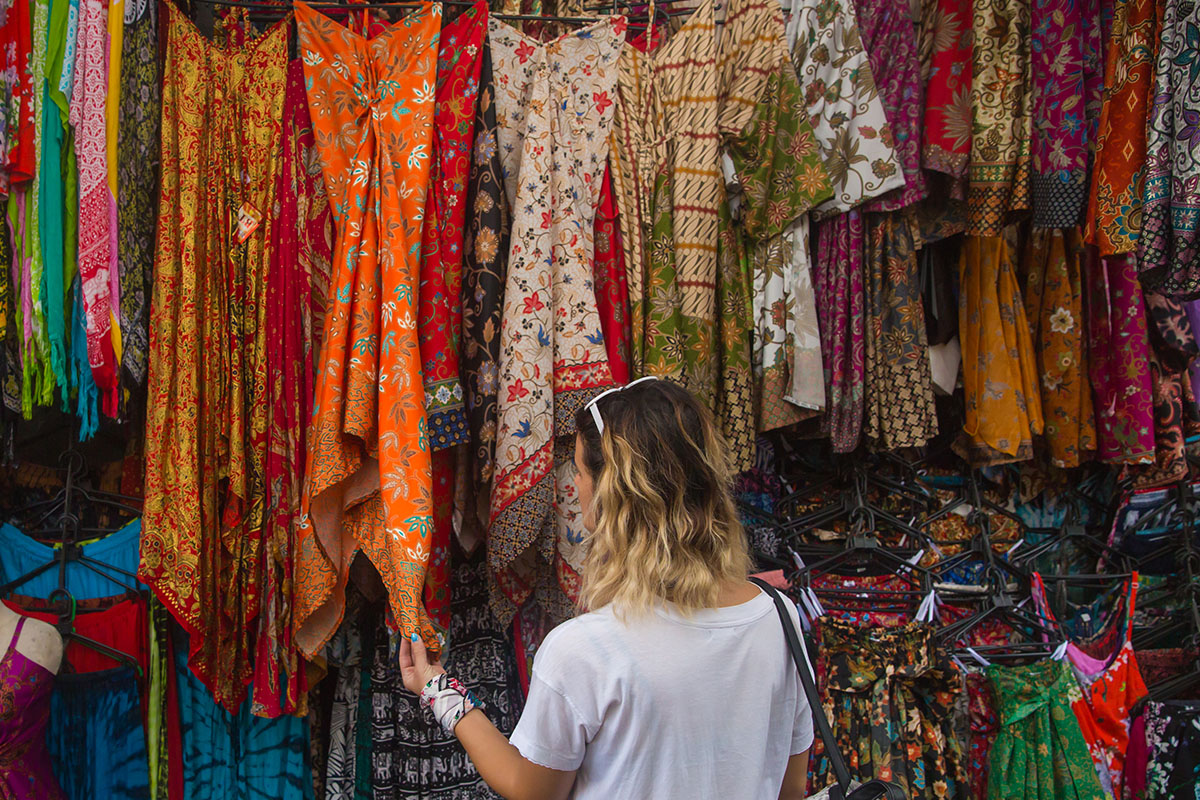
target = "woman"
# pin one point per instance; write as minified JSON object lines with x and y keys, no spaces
{"x":679,"y":683}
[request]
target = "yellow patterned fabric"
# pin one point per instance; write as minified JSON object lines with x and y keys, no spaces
{"x":206,"y":423}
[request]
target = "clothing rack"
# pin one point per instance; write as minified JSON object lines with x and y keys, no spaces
{"x":70,"y":549}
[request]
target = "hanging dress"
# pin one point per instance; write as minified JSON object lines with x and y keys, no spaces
{"x":946,"y":31}
{"x":206,"y":409}
{"x":485,"y":254}
{"x":1001,"y":121}
{"x":368,"y":475}
{"x":554,"y":108}
{"x":1114,"y":214}
{"x":1111,"y":685}
{"x":665,"y":133}
{"x":1040,"y":752}
{"x":838,"y":274}
{"x":612,"y":290}
{"x":777,"y":174}
{"x":1169,"y":247}
{"x":440,"y":312}
{"x":1054,"y":296}
{"x":1119,"y":360}
{"x":1060,"y":144}
{"x":999,"y":371}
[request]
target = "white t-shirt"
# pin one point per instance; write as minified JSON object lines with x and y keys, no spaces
{"x":668,"y":706}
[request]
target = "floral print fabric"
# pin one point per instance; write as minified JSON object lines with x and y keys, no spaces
{"x":1169,"y":246}
{"x":899,"y":409}
{"x":485,"y":253}
{"x":889,"y":696}
{"x":1173,"y":740}
{"x":854,"y":137}
{"x":554,"y":109}
{"x":1039,"y":753}
{"x":1054,"y":293}
{"x":202,"y":519}
{"x":368,"y":476}
{"x":947,"y":25}
{"x":838,"y":274}
{"x":1119,"y":361}
{"x":890,"y":39}
{"x":612,"y":291}
{"x":1060,"y":124}
{"x":1001,"y":115}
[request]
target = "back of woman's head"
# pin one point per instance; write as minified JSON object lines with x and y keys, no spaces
{"x":664,"y":525}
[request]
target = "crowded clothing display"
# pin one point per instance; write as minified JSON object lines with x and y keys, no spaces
{"x":300,"y":302}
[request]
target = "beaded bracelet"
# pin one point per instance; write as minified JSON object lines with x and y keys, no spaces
{"x":449,"y":701}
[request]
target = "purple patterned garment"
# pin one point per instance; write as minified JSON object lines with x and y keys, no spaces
{"x":1120,"y":361}
{"x":838,"y":281}
{"x":1060,"y":124}
{"x":890,"y":39}
{"x":24,"y":710}
{"x":1193,"y":311}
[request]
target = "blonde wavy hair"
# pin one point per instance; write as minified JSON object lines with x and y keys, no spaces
{"x":666,"y":527}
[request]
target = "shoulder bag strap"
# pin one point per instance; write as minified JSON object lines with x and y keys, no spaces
{"x":820,"y":721}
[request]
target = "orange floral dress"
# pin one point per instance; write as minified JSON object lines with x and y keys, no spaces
{"x":368,"y":478}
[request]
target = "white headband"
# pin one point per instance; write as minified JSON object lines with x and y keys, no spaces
{"x":595,"y":409}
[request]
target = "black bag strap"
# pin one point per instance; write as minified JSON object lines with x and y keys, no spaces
{"x":820,"y":721}
{"x":869,"y":790}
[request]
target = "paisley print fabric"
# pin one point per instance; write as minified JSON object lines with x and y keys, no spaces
{"x":1001,"y":127}
{"x":554,"y":110}
{"x":1039,"y":752}
{"x":1119,"y":356}
{"x":368,"y":476}
{"x":947,"y":27}
{"x":838,"y":274}
{"x":1114,"y":213}
{"x":299,"y":270}
{"x":854,"y":137}
{"x":999,"y":370}
{"x":1054,"y":293}
{"x":485,"y":254}
{"x":1169,"y":246}
{"x":890,"y":39}
{"x":204,"y":491}
{"x":899,"y":409}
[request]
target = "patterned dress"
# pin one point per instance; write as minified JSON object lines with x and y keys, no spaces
{"x":1040,"y":753}
{"x":999,"y":370}
{"x":1169,"y":247}
{"x":1054,"y":295}
{"x":1114,"y":214}
{"x":554,"y":104}
{"x":372,"y":106}
{"x":667,"y":177}
{"x":946,"y":32}
{"x":440,"y":320}
{"x":222,"y":103}
{"x":777,"y":167}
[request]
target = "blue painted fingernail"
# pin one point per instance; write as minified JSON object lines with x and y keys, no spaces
{"x":415,"y":637}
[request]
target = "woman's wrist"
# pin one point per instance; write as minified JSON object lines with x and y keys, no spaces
{"x":449,"y":701}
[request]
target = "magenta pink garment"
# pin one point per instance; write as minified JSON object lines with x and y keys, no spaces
{"x":838,"y":280}
{"x":1137,"y":761}
{"x":1120,"y":360}
{"x":25,"y":772}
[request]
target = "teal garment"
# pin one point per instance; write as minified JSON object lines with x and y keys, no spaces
{"x":83,"y":387}
{"x":50,"y":221}
{"x":237,"y":756}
